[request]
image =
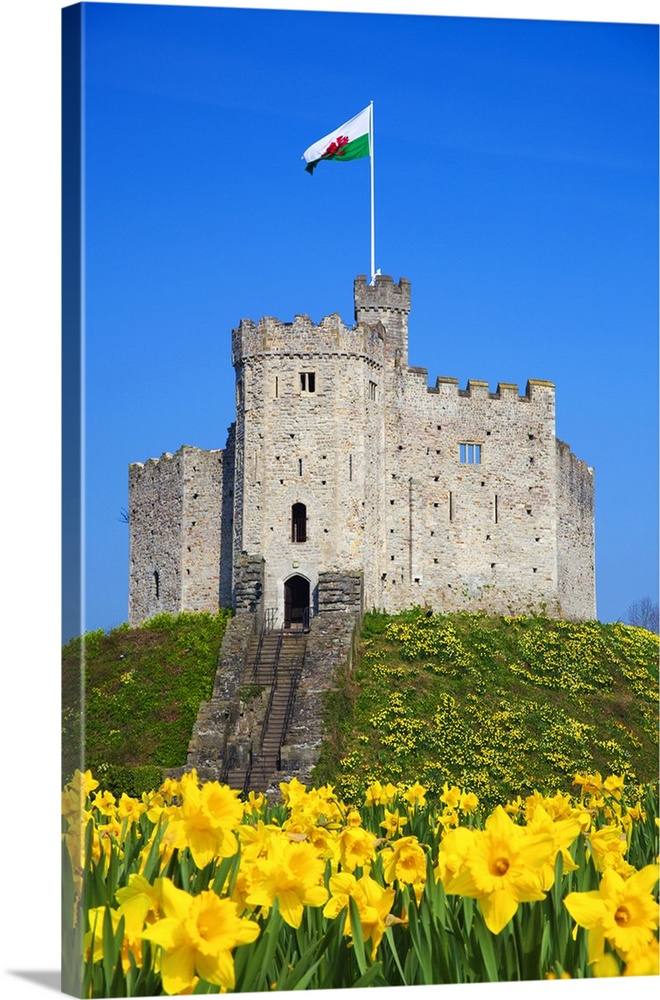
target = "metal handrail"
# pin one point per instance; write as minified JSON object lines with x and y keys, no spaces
{"x":269,"y":618}
{"x":227,"y":762}
{"x":288,"y":713}
{"x":269,"y":705}
{"x":273,"y":686}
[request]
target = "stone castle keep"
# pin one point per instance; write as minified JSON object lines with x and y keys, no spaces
{"x":348,"y":483}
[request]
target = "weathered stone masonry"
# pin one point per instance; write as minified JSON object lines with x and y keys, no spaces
{"x":343,"y":460}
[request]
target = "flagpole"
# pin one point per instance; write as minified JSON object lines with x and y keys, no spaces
{"x":371,"y":159}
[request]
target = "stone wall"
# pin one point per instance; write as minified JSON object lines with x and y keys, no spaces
{"x":155,"y":511}
{"x":470,"y":534}
{"x":176,"y":527}
{"x":218,"y":718}
{"x":331,"y":645}
{"x":249,"y":585}
{"x":575,"y":536}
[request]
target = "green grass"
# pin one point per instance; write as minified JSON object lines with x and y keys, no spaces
{"x":499,"y":705}
{"x":141,"y":689}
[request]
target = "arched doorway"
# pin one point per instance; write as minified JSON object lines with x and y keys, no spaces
{"x":296,"y":600}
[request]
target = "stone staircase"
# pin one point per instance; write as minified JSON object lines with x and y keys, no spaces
{"x":274,"y":662}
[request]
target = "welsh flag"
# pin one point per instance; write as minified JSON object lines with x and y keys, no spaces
{"x":348,"y":142}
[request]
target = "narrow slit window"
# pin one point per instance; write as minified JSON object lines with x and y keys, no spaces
{"x":157,"y":583}
{"x":495,"y":509}
{"x":451,"y":506}
{"x":300,"y":466}
{"x":277,"y":386}
{"x":350,"y":468}
{"x":372,"y":390}
{"x":298,"y":523}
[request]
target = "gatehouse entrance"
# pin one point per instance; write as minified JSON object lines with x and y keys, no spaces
{"x":296,"y":600}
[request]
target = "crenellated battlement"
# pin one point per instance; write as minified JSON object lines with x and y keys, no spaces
{"x":535,"y":389}
{"x":331,"y":336}
{"x":167,"y":460}
{"x":383,"y":294}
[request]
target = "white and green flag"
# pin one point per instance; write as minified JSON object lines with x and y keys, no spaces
{"x":351,"y":141}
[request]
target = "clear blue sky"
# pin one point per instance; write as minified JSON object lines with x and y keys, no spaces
{"x":516,"y":187}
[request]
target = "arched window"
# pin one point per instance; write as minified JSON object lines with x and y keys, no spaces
{"x":299,"y":523}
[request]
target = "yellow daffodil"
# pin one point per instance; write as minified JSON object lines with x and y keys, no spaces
{"x":621,"y":911}
{"x":133,"y":911}
{"x":293,"y":874}
{"x":130,"y":808}
{"x":468,"y":803}
{"x":393,"y":823}
{"x":356,"y":847}
{"x":606,"y":967}
{"x":292,"y":792}
{"x":644,"y":961}
{"x":197,"y":936}
{"x":502,"y":868}
{"x":607,"y":845}
{"x":448,"y":819}
{"x":205,"y":822}
{"x":454,"y":849}
{"x":84,"y":784}
{"x":415,"y":795}
{"x":405,"y":860}
{"x":105,"y":803}
{"x":153,"y":803}
{"x":255,"y":839}
{"x":451,"y":796}
{"x":563,"y":833}
{"x":373,"y":903}
{"x":254,"y":802}
{"x":379,"y":795}
{"x":514,"y":807}
{"x":139,"y":886}
{"x":589,"y":782}
{"x":613,"y":784}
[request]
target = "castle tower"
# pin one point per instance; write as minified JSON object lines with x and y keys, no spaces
{"x":389,"y":304}
{"x":310,"y":430}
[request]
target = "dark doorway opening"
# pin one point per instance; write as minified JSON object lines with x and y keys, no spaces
{"x":296,"y":600}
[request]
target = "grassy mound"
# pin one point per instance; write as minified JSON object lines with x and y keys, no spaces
{"x":499,"y":705}
{"x":142,"y":689}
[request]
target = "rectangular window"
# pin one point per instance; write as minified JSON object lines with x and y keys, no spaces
{"x":299,"y":522}
{"x":308,"y":382}
{"x":470,"y":454}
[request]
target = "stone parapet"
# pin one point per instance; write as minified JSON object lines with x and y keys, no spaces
{"x":249,"y":584}
{"x":217,"y":718}
{"x":330,"y":645}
